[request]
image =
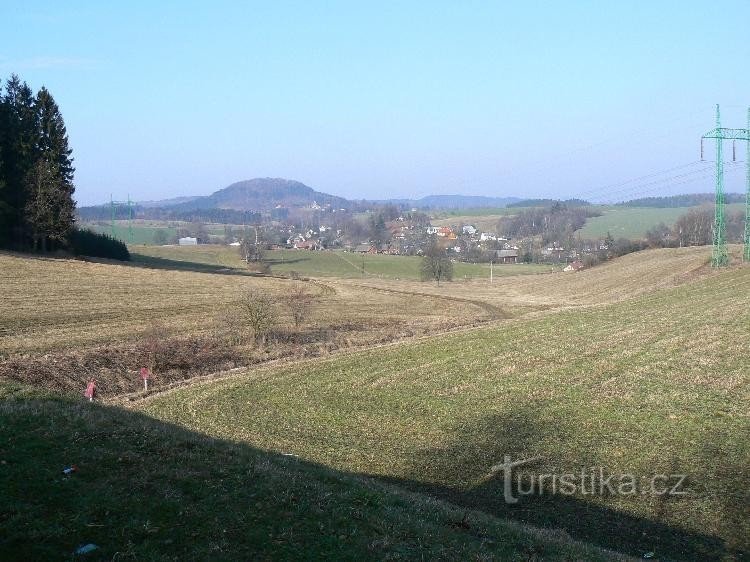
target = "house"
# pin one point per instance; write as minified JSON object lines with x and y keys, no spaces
{"x":306,"y":245}
{"x":188,"y":241}
{"x":444,"y":231}
{"x":577,"y":265}
{"x":507,"y":256}
{"x":433,"y":229}
{"x":487,"y":236}
{"x":366,"y":249}
{"x":469,"y":229}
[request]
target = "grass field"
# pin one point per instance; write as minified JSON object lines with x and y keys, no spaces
{"x":339,"y":264}
{"x":649,"y":385}
{"x":147,"y":490}
{"x":634,"y":222}
{"x":637,"y":366}
{"x":143,"y":231}
{"x":63,"y":320}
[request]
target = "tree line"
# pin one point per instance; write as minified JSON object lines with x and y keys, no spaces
{"x":37,"y":210}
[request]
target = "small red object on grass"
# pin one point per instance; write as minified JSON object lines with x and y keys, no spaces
{"x":90,"y":390}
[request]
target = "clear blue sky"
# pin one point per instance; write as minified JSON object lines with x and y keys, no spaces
{"x":384,"y":99}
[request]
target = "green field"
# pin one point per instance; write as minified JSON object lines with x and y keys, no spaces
{"x":340,"y":264}
{"x":634,"y":222}
{"x":148,"y":490}
{"x":143,"y":231}
{"x":652,"y":385}
{"x":638,"y":366}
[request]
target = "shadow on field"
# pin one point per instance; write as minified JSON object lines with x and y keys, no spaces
{"x":279,"y":261}
{"x":479,"y":449}
{"x":146,"y":489}
{"x":150,"y":262}
{"x":142,"y":489}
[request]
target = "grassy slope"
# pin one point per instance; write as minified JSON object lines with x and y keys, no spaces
{"x":633,"y":222}
{"x":147,"y":490}
{"x":654,"y":384}
{"x":56,"y":304}
{"x":324,"y":264}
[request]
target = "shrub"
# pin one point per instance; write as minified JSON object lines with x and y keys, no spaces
{"x":257,"y":310}
{"x":84,"y":242}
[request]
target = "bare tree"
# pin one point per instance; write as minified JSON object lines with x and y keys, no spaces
{"x":299,"y":302}
{"x":258,"y":312}
{"x":695,"y":228}
{"x":436,"y":266}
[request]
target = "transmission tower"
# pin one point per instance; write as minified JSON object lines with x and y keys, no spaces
{"x":720,"y":255}
{"x":113,"y":206}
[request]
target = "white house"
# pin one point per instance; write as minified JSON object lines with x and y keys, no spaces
{"x":188,"y":241}
{"x":469,"y":229}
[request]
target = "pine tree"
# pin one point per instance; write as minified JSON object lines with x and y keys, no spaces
{"x":45,"y":205}
{"x":19,"y":153}
{"x":5,"y":208}
{"x":53,"y":148}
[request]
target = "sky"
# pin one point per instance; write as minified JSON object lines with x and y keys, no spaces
{"x":388,"y":99}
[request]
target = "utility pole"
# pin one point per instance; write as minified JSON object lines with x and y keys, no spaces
{"x":490,"y":272}
{"x":720,"y":255}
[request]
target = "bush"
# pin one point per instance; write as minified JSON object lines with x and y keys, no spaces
{"x":257,"y":311}
{"x":88,"y":243}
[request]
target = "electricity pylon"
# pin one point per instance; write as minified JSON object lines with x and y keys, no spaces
{"x":113,"y":210}
{"x":720,"y":255}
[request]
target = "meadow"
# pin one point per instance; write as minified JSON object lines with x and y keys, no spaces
{"x":335,"y":263}
{"x":372,"y":432}
{"x":149,"y":490}
{"x":656,"y":384}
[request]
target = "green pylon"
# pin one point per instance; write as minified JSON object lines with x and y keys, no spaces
{"x":720,"y":256}
{"x":746,"y":254}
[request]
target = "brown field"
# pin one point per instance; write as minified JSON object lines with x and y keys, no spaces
{"x":63,"y":321}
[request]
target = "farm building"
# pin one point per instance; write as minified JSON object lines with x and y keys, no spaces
{"x":188,"y":241}
{"x":366,"y":249}
{"x":507,"y":256}
{"x":306,"y":245}
{"x":574,"y":266}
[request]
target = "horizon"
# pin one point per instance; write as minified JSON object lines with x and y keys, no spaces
{"x":388,"y":102}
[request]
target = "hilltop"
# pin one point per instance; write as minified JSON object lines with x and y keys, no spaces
{"x":261,"y":194}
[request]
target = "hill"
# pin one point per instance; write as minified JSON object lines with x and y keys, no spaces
{"x":148,"y":490}
{"x":652,"y":385}
{"x":261,"y":194}
{"x":684,"y":200}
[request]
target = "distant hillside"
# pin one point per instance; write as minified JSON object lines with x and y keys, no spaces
{"x":451,"y":202}
{"x":166,"y":202}
{"x":261,"y":194}
{"x":685,"y":200}
{"x":548,"y":202}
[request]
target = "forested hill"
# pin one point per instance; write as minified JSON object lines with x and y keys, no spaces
{"x":261,"y":194}
{"x":684,"y":200}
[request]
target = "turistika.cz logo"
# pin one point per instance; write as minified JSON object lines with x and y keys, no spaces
{"x":589,"y":481}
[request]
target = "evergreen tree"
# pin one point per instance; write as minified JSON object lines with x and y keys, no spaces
{"x":53,"y":148}
{"x":19,"y":153}
{"x":47,"y":205}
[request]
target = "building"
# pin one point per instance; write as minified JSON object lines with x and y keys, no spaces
{"x":574,"y":266}
{"x":188,"y":241}
{"x":366,"y":249}
{"x":469,"y":229}
{"x":507,"y":256}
